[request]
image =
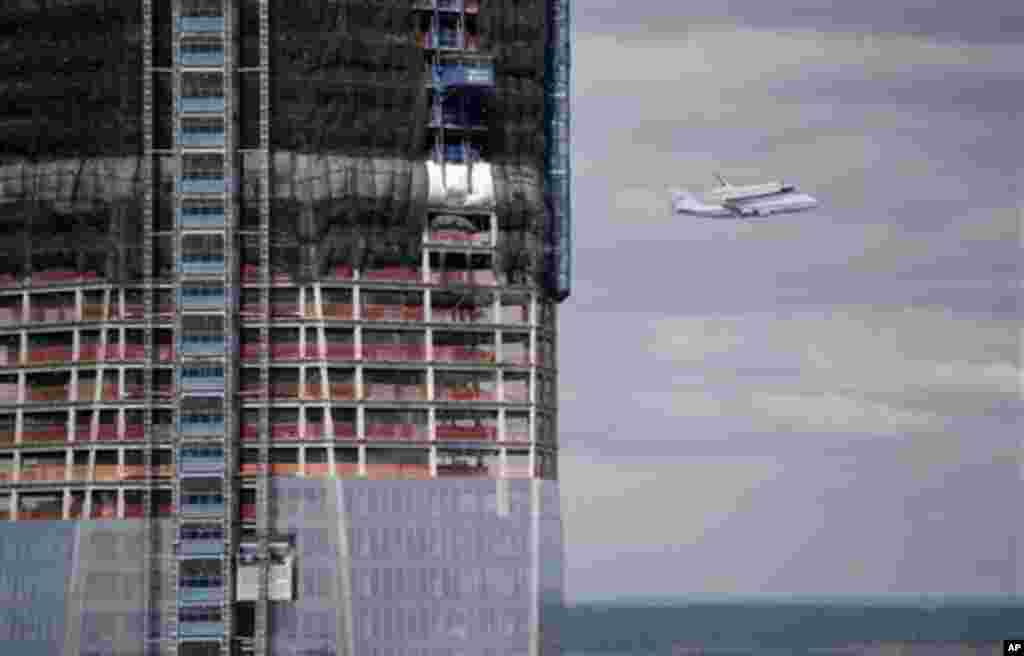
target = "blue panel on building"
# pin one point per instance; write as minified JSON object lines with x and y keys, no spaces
{"x":35,"y":566}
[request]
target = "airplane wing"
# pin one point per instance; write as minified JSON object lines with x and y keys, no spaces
{"x":792,"y":201}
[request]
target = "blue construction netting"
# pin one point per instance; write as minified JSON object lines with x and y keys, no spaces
{"x":558,"y":165}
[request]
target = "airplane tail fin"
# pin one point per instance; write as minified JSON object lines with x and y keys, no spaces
{"x":683,"y":200}
{"x":721,"y":181}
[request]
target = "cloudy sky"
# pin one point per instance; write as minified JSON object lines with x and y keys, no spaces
{"x":821,"y":403}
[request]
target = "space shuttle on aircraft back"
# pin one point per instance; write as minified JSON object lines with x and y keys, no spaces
{"x":737,"y":201}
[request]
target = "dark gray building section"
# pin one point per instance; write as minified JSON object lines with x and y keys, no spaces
{"x":35,"y":567}
{"x":434,"y":568}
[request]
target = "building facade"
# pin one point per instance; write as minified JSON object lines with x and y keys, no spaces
{"x":278,"y":303}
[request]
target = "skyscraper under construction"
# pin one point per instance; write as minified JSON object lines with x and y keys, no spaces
{"x":278,"y":292}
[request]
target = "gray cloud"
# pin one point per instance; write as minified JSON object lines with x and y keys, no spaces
{"x":814,"y":379}
{"x":991,"y":21}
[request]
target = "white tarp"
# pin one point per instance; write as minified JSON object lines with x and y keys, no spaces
{"x":461,"y":185}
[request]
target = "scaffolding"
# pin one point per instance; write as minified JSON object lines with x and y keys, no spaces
{"x":317,"y":239}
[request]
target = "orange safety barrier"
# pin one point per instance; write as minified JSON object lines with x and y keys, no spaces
{"x":252,"y":310}
{"x":107,"y":433}
{"x":251,"y":390}
{"x":284,"y":390}
{"x":133,"y":311}
{"x":405,"y":274}
{"x":341,"y":351}
{"x":343,"y":431}
{"x":104,"y":511}
{"x":39,"y":435}
{"x":43,"y":472}
{"x":318,"y":470}
{"x":284,"y":431}
{"x":338,"y":311}
{"x":461,"y":314}
{"x":52,"y":314}
{"x":462,"y":354}
{"x":284,"y":469}
{"x":285,"y":351}
{"x":346,"y":469}
{"x":94,"y":312}
{"x":47,"y":393}
{"x":383,"y":312}
{"x":107,"y":473}
{"x":394,"y":352}
{"x":403,"y":432}
{"x":47,"y":354}
{"x":79,"y":473}
{"x":285,"y":310}
{"x":344,"y":272}
{"x":451,"y":432}
{"x":108,"y":392}
{"x":54,"y":276}
{"x":312,"y":391}
{"x":252,"y":351}
{"x":251,"y":469}
{"x":40,"y":515}
{"x":397,"y":471}
{"x":342,"y":391}
{"x":466,"y":394}
{"x":134,"y":472}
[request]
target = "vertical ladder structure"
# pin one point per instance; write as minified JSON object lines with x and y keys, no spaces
{"x":152,"y":558}
{"x":261,"y":612}
{"x":204,"y":488}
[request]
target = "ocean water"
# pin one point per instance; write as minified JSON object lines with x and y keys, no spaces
{"x":790,"y":628}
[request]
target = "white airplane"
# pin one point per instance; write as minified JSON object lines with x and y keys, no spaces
{"x":740,"y":201}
